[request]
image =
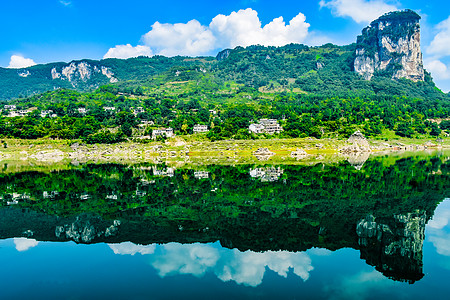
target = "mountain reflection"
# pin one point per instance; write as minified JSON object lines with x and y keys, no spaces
{"x":262,"y":216}
{"x":246,"y":268}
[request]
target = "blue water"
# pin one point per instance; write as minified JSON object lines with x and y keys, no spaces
{"x":48,"y":270}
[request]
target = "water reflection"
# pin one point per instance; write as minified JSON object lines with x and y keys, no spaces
{"x":438,"y":228}
{"x":23,"y":244}
{"x":247,"y":268}
{"x":265,"y":217}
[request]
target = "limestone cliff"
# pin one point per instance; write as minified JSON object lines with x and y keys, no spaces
{"x":390,"y":46}
{"x":394,"y":245}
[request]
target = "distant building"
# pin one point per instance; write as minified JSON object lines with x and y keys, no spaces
{"x":201,"y":174}
{"x":146,"y":123}
{"x":10,"y":107}
{"x":267,"y":174}
{"x":18,"y":113}
{"x":269,"y":126}
{"x":49,"y":113}
{"x":200,"y":128}
{"x":109,"y":108}
{"x":256,"y":128}
{"x":164,"y":132}
{"x":212,"y":112}
{"x":167,"y":172}
{"x":138,"y":110}
{"x":82,"y":110}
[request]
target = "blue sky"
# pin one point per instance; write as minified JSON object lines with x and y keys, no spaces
{"x":64,"y":30}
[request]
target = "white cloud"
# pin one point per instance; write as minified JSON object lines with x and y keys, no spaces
{"x":247,"y":268}
{"x":23,"y":244}
{"x":128,"y":51}
{"x":65,"y":2}
{"x":189,"y":39}
{"x":438,"y":228}
{"x":241,"y":28}
{"x":128,"y":248}
{"x":438,"y":69}
{"x":18,"y":62}
{"x":194,"y":259}
{"x":359,"y":10}
{"x":359,"y":286}
{"x":439,"y":46}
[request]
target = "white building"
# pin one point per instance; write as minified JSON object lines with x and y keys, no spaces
{"x":49,"y":113}
{"x":201,"y":174}
{"x":269,"y":174}
{"x":138,"y":110}
{"x":269,"y":126}
{"x":200,"y":128}
{"x":82,"y":110}
{"x":109,"y":108}
{"x":165,"y":132}
{"x":10,"y":107}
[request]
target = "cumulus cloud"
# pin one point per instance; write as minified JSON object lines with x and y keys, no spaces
{"x":128,"y":51}
{"x":439,"y":46}
{"x":241,"y":28}
{"x":128,"y":248}
{"x":247,"y":268}
{"x":23,"y":244}
{"x":190,"y":38}
{"x":359,"y":286}
{"x":438,"y":69}
{"x":359,"y":10}
{"x":18,"y":62}
{"x":438,"y":228}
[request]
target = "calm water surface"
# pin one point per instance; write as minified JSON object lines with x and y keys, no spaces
{"x":375,"y":231}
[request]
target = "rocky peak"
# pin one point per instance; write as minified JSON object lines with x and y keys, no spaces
{"x":390,"y":45}
{"x":223,"y":54}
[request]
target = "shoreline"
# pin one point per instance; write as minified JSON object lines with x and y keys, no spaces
{"x":178,"y":151}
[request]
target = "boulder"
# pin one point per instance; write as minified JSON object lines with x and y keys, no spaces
{"x":299,"y":153}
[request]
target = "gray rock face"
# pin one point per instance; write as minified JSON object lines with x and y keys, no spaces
{"x":391,"y":44}
{"x":86,"y":230}
{"x":394,"y":245}
{"x":223,"y":54}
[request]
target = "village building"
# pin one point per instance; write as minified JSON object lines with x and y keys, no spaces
{"x":267,"y":174}
{"x":200,"y":128}
{"x":109,"y":108}
{"x":269,"y":126}
{"x":49,"y":113}
{"x":138,"y":110}
{"x":170,"y":172}
{"x":212,"y":112}
{"x":10,"y":107}
{"x":146,"y":123}
{"x":82,"y":110}
{"x":18,"y":113}
{"x":164,"y":132}
{"x":201,"y":174}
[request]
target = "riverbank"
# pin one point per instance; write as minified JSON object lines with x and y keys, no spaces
{"x":178,"y":150}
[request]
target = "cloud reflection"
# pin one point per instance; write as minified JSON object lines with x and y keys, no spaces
{"x":128,"y":248}
{"x":359,"y":286}
{"x":23,"y":244}
{"x":247,"y":268}
{"x":438,"y":229}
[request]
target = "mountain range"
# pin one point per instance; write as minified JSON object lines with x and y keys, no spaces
{"x":386,"y":59}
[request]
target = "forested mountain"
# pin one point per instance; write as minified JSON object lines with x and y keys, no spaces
{"x":394,"y":69}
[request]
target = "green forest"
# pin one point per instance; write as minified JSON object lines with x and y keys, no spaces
{"x":310,"y":91}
